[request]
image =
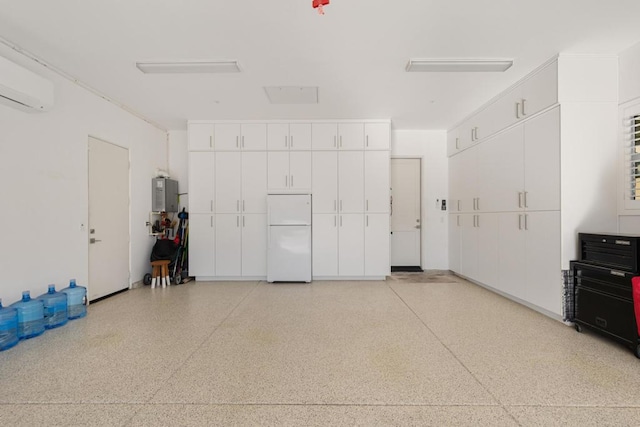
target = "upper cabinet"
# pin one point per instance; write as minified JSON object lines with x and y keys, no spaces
{"x":201,"y":136}
{"x":351,"y":136}
{"x":235,"y":136}
{"x":377,"y":136}
{"x":285,"y":136}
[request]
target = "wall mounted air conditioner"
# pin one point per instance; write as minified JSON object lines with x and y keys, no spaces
{"x":24,"y":89}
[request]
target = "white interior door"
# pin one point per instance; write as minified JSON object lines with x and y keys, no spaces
{"x":108,"y":218}
{"x":405,"y":212}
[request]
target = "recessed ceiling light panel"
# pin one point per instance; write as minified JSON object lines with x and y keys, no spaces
{"x":458,"y":65}
{"x":189,"y":67}
{"x":292,"y":94}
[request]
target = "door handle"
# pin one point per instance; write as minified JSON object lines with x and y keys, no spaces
{"x":92,"y":240}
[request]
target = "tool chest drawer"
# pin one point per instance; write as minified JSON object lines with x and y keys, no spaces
{"x":615,"y":251}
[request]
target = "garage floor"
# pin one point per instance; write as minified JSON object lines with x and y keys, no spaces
{"x":418,"y":349}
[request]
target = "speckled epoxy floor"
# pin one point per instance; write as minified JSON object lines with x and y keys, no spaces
{"x":418,"y":349}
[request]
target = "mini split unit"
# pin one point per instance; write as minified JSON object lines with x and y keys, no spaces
{"x":23,"y":89}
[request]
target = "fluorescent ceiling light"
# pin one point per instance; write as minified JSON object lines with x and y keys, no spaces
{"x":188,"y":67}
{"x":292,"y":94}
{"x":458,"y":65}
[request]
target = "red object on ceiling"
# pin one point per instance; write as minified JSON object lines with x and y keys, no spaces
{"x":318,"y":4}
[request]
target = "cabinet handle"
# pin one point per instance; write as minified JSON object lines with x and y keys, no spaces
{"x":457,"y":139}
{"x":211,"y":141}
{"x":237,"y":138}
{"x":243,"y":206}
{"x":340,"y":205}
{"x":525,"y":199}
{"x":237,"y":221}
{"x":517,"y":110}
{"x":242,"y":141}
{"x":458,"y":205}
{"x":340,"y":141}
{"x":523,"y":113}
{"x":291,"y":181}
{"x":476,"y":133}
{"x":211,"y":205}
{"x":211,"y":218}
{"x":519,"y":199}
{"x":367,"y":220}
{"x":340,"y":221}
{"x":526,"y":221}
{"x":478,"y":221}
{"x":519,"y":222}
{"x":291,"y":141}
{"x":334,"y":140}
{"x":367,"y":206}
{"x":472,"y":137}
{"x":335,"y":221}
{"x":367,"y":137}
{"x":243,"y":221}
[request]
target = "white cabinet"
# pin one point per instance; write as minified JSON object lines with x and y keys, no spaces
{"x":201,"y":182}
{"x":539,"y":91}
{"x":325,"y":245}
{"x":351,"y":181}
{"x":228,"y":182}
{"x":351,"y":245}
{"x":325,"y":181}
{"x":468,"y":170}
{"x":285,"y":136}
{"x":376,"y":245}
{"x":469,"y":245}
{"x":377,"y":136}
{"x":201,"y":245}
{"x":376,"y":181}
{"x":254,"y":182}
{"x":324,"y":136}
{"x":228,"y":245}
{"x":512,"y":254}
{"x":254,"y":245}
{"x":488,"y":247}
{"x":351,"y":136}
{"x":454,"y":243}
{"x":289,"y":171}
{"x":200,"y":136}
{"x":234,"y":136}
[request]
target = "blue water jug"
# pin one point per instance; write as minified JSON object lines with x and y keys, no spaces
{"x":8,"y":327}
{"x":76,"y":300}
{"x":30,"y":316}
{"x":55,"y":308}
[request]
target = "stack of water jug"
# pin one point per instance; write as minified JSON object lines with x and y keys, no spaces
{"x":29,"y":318}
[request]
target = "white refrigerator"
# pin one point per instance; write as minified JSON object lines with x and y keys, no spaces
{"x":289,"y":238}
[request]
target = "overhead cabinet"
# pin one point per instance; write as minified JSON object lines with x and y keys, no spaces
{"x":508,"y":228}
{"x":343,"y":164}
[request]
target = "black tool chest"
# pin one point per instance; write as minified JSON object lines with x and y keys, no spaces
{"x":603,"y":294}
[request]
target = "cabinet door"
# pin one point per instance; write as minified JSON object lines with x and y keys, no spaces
{"x":454,"y":243}
{"x":351,"y":181}
{"x":228,"y":182}
{"x":278,"y":171}
{"x":201,"y":182}
{"x":501,"y":172}
{"x":468,"y":246}
{"x":300,"y":136}
{"x":351,"y":245}
{"x":351,"y":136}
{"x":468,"y":167}
{"x":542,"y":162}
{"x":253,"y":136}
{"x":488,"y":248}
{"x":377,"y":136}
{"x":254,"y":182}
{"x":254,"y":245}
{"x":543,"y":278}
{"x":227,"y":137}
{"x":300,"y":170}
{"x":201,"y":245}
{"x":325,"y":245}
{"x":512,"y":254}
{"x":376,"y":244}
{"x":505,"y":111}
{"x":456,"y":183}
{"x":200,"y":136}
{"x":324,"y":136}
{"x":453,"y":142}
{"x":325,"y":181}
{"x":376,"y":181}
{"x":228,"y":245}
{"x":278,"y":137}
{"x":541,"y":90}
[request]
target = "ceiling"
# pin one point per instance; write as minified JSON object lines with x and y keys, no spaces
{"x":355,"y":53}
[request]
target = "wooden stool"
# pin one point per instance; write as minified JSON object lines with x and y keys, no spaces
{"x":160,"y":271}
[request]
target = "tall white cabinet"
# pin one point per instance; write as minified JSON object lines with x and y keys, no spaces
{"x":234,"y":166}
{"x":523,"y":177}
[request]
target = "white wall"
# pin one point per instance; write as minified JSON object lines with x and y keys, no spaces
{"x":431,"y":146}
{"x":179,"y":164}
{"x":44,"y":189}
